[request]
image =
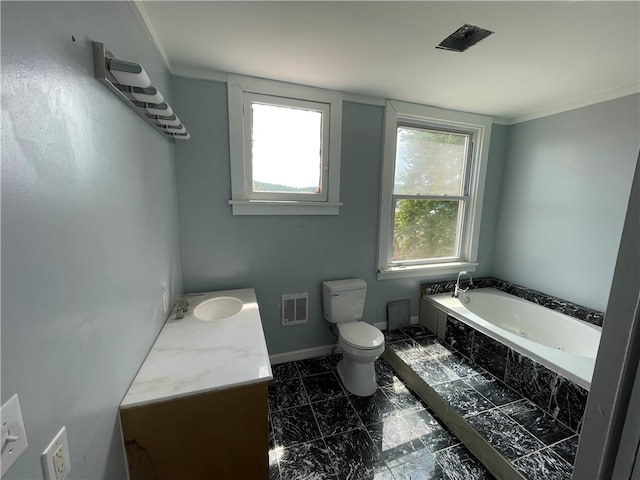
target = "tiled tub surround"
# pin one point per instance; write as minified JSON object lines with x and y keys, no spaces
{"x":547,"y":385}
{"x":511,"y":434}
{"x":548,"y":301}
{"x":318,"y":430}
{"x":553,"y":393}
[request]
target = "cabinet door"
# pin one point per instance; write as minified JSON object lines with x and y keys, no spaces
{"x":222,"y":434}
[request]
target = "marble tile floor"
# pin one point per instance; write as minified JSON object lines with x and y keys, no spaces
{"x":536,"y":444}
{"x":320,"y":431}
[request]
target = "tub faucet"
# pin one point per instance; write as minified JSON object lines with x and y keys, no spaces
{"x":457,"y":290}
{"x":182,"y":306}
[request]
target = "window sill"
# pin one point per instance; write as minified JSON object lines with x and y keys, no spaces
{"x":426,"y":271}
{"x":283,"y":207}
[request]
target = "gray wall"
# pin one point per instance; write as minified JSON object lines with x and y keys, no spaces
{"x":288,"y":254}
{"x":611,"y":432}
{"x":89,"y":229}
{"x":566,"y":184}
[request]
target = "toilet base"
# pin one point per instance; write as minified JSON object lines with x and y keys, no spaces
{"x":358,"y":378}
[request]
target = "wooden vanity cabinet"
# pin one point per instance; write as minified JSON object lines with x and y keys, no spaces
{"x":217,"y":435}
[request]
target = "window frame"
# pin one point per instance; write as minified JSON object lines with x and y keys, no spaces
{"x":242,"y":91}
{"x":478,"y":127}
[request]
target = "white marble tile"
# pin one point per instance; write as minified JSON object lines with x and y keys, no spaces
{"x":192,"y":356}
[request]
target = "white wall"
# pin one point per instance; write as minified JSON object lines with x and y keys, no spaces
{"x":89,"y":229}
{"x":565,"y":189}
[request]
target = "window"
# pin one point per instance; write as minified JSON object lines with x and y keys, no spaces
{"x":284,"y":147}
{"x":432,"y":182}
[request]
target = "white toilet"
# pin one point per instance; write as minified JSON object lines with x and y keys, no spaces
{"x":361,"y":343}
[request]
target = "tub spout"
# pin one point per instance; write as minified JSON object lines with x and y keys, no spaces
{"x":457,"y":290}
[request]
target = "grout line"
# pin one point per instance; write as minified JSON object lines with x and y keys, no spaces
{"x":500,"y":408}
{"x":455,"y":422}
{"x":540,"y":450}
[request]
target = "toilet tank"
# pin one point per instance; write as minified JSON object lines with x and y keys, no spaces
{"x":343,"y":300}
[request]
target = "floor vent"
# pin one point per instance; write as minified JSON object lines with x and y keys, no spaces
{"x":295,"y":309}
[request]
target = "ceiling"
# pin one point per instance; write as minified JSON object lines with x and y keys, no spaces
{"x":544,"y":57}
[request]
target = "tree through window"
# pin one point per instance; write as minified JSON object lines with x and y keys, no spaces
{"x":429,"y":193}
{"x":432,"y":183}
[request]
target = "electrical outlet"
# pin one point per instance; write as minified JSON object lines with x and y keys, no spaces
{"x":56,"y":461}
{"x":165,"y":302}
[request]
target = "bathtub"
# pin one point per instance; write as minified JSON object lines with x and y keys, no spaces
{"x":561,"y":343}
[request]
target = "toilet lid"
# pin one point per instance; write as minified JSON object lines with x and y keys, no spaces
{"x":361,"y":335}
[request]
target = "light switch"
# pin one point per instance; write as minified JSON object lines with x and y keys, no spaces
{"x":12,"y":433}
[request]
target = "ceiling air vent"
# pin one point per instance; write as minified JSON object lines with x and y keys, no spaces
{"x":464,"y":37}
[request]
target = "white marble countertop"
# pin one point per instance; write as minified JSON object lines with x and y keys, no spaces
{"x":192,"y":356}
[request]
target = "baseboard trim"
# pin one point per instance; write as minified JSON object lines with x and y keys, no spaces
{"x":321,"y":351}
{"x":304,"y":354}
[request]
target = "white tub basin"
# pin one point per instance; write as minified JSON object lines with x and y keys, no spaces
{"x":217,"y":308}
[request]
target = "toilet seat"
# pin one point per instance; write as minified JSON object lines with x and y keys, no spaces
{"x":361,"y":335}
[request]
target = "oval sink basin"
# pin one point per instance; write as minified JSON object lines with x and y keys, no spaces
{"x":217,"y":308}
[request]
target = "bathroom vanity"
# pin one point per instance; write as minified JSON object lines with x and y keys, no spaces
{"x":197,"y":408}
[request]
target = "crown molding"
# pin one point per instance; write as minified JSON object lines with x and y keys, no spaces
{"x":145,"y":20}
{"x":578,"y":103}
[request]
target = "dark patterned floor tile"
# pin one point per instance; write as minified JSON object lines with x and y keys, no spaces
{"x":392,"y":431}
{"x":433,"y":434}
{"x":423,"y":423}
{"x":374,"y":408}
{"x":422,"y":468}
{"x":379,"y":475}
{"x":294,"y":425}
{"x":530,"y":378}
{"x":274,"y":469}
{"x":439,"y":440}
{"x":286,"y":394}
{"x":493,"y":389}
{"x":384,"y":373}
{"x":336,"y":416}
{"x":459,"y":336}
{"x":284,"y":371}
{"x":461,"y":366}
{"x":417,"y":331}
{"x":307,"y":460}
{"x":459,"y":464}
{"x":333,"y":360}
{"x":463,"y":398}
{"x":490,"y":354}
{"x":322,"y":387}
{"x":433,"y":348}
{"x":403,"y":400}
{"x":544,"y":465}
{"x":354,"y":455}
{"x":393,"y":336}
{"x":567,"y":449}
{"x":313,"y":366}
{"x":569,"y":400}
{"x":396,"y":441}
{"x":408,"y":351}
{"x":505,"y":435}
{"x":543,"y":426}
{"x":433,"y":372}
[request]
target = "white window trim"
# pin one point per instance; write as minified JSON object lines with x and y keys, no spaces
{"x":421,"y":115}
{"x":241,"y":202}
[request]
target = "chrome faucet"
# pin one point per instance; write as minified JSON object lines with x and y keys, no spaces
{"x":182,"y":306}
{"x":457,"y":290}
